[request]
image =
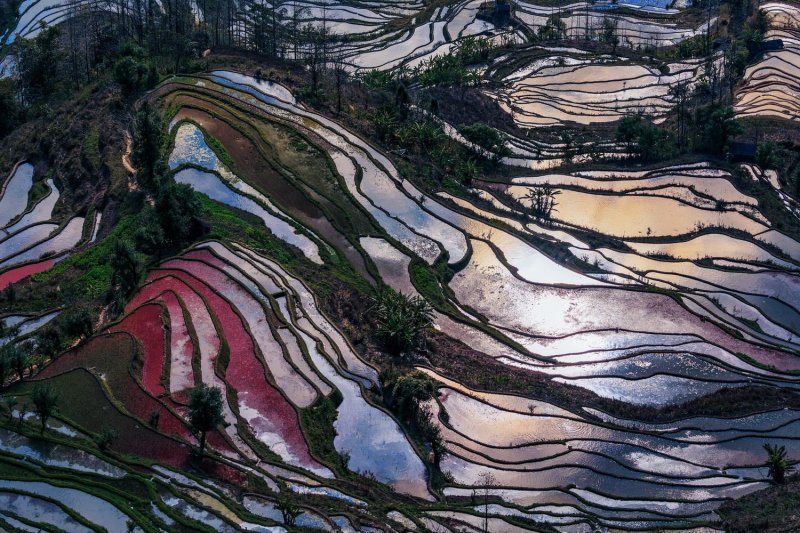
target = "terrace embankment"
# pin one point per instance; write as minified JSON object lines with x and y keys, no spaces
{"x":770,"y":510}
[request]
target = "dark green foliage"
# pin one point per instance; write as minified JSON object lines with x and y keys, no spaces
{"x":772,"y":509}
{"x":133,"y":74}
{"x":49,"y":342}
{"x":409,"y":394}
{"x":779,"y":465}
{"x":409,"y":391}
{"x":543,"y":201}
{"x":401,"y":320}
{"x":10,"y":294}
{"x":134,"y":70}
{"x":554,"y":28}
{"x":485,"y":137}
{"x":11,"y":403}
{"x":106,"y":438}
{"x":148,"y":139}
{"x":378,"y":79}
{"x":767,"y":156}
{"x":10,"y":116}
{"x":38,"y":63}
{"x":77,"y":323}
{"x":10,"y":354}
{"x":467,"y":170}
{"x":8,"y":12}
{"x":155,"y":416}
{"x":419,"y":137}
{"x":18,"y":358}
{"x":643,"y":139}
{"x":720,"y":127}
{"x":755,"y":28}
{"x":125,"y":272}
{"x":475,"y":49}
{"x":608,"y":32}
{"x":45,"y":402}
{"x":178,"y":212}
{"x":288,"y":508}
{"x":205,"y":410}
{"x":446,"y":71}
{"x":5,"y":367}
{"x":451,"y":70}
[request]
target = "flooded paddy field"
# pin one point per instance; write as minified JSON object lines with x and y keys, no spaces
{"x":770,"y":86}
{"x":579,"y":361}
{"x":596,"y":324}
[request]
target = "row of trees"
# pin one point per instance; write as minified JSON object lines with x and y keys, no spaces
{"x":709,"y":128}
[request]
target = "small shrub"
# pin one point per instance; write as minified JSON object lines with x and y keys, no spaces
{"x":401,"y":320}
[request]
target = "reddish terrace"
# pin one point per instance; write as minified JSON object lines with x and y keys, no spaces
{"x":146,"y":325}
{"x":101,"y":354}
{"x":21,"y":272}
{"x":181,"y":375}
{"x":181,"y":348}
{"x":199,"y":317}
{"x":269,"y":414}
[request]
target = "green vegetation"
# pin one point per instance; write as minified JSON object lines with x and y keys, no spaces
{"x":134,"y":70}
{"x":400,"y":319}
{"x":543,"y":202}
{"x":553,"y":29}
{"x":409,"y":395}
{"x":288,"y":508}
{"x":410,"y":391}
{"x":77,"y":322}
{"x":147,"y":147}
{"x":450,"y":70}
{"x":778,"y":464}
{"x":126,"y":270}
{"x":720,"y":128}
{"x":317,"y":423}
{"x":13,"y":357}
{"x":608,"y":33}
{"x":45,"y":401}
{"x":144,"y":233}
{"x":205,"y":410}
{"x":487,"y":138}
{"x":106,"y":438}
{"x":770,"y":509}
{"x":643,"y":139}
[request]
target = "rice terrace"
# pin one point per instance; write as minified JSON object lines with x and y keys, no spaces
{"x":399,"y":265}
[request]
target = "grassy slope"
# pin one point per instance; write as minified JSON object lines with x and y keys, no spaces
{"x":774,"y":509}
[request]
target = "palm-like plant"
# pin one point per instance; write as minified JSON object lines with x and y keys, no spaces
{"x":543,"y":201}
{"x":401,"y":319}
{"x":777,"y":462}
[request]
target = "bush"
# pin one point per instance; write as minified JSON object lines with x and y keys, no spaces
{"x":133,"y":70}
{"x":411,"y":390}
{"x":486,"y":137}
{"x":643,"y":139}
{"x":720,"y":127}
{"x":178,"y":213}
{"x":77,"y":323}
{"x":767,"y":156}
{"x":554,"y":29}
{"x":106,"y":438}
{"x":401,"y":320}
